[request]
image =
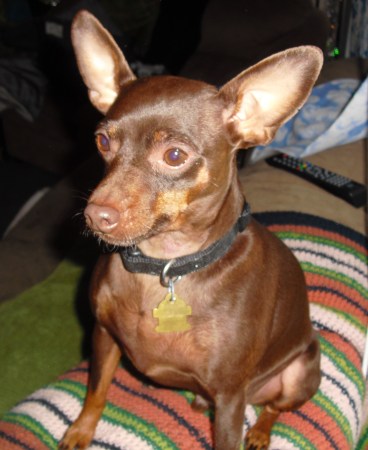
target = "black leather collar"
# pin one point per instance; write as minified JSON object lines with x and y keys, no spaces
{"x":135,"y":261}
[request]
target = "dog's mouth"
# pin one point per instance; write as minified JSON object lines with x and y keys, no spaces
{"x":114,"y":241}
{"x":118,"y":237}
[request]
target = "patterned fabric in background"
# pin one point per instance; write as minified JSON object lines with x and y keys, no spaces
{"x":335,"y":113}
{"x":357,"y":44}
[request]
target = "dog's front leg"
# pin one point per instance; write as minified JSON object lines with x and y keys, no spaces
{"x":229,"y":419}
{"x":106,"y":357}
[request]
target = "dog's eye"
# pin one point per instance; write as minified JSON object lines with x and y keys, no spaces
{"x":175,"y":157}
{"x":102,"y":142}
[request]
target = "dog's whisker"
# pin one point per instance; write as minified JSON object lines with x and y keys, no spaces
{"x":80,"y":195}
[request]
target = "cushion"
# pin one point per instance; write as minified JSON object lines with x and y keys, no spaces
{"x":139,"y":415}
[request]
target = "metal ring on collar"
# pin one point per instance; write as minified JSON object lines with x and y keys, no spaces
{"x":164,"y":276}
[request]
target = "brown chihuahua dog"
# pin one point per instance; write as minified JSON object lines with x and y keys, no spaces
{"x":198,"y":295}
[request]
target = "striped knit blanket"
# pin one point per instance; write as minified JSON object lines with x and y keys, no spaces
{"x":140,"y":416}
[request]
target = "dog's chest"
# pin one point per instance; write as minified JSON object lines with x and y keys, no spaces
{"x":169,"y":357}
{"x":139,"y":321}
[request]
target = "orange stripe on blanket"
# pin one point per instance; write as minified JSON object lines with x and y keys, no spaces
{"x":312,"y":231}
{"x":346,"y":348}
{"x":154,"y":414}
{"x":318,"y":427}
{"x":79,"y":373}
{"x":172,"y":399}
{"x":335,"y":285}
{"x":5,"y":444}
{"x":25,"y":438}
{"x":333,"y":300}
{"x":149,"y":403}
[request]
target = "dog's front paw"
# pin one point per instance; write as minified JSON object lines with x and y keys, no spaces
{"x":76,"y":437}
{"x":257,"y":440}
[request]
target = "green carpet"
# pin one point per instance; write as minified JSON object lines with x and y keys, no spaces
{"x":43,"y":330}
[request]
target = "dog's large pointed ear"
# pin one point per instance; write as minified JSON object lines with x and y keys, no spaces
{"x":263,"y":97}
{"x":101,"y":63}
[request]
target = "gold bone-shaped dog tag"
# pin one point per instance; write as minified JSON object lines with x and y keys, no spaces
{"x":172,"y":315}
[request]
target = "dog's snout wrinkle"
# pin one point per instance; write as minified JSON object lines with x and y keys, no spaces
{"x":101,"y":218}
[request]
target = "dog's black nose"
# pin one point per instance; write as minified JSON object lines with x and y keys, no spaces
{"x":101,"y":218}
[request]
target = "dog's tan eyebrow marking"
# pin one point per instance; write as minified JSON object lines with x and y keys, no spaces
{"x":159,"y":136}
{"x":169,"y":137}
{"x":113,"y":130}
{"x":109,"y":127}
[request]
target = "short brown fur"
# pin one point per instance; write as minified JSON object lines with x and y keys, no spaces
{"x":251,"y":339}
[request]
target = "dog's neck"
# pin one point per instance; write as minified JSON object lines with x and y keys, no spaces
{"x":172,"y":244}
{"x":135,"y":261}
{"x":194,"y":237}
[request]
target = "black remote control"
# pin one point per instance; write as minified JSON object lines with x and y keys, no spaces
{"x":349,"y":190}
